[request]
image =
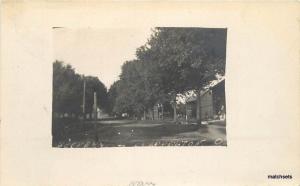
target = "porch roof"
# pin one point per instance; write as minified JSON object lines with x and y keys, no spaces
{"x":210,"y":86}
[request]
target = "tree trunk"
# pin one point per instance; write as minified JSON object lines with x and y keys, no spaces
{"x":198,"y":111}
{"x":154,"y":113}
{"x":174,"y":110}
{"x":144,"y":114}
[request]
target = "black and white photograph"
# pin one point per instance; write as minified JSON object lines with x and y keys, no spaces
{"x":162,"y":86}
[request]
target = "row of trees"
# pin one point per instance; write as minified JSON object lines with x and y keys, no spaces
{"x":68,"y":91}
{"x":172,"y":62}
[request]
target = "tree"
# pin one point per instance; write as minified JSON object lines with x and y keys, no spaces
{"x":138,"y":88}
{"x":112,"y":96}
{"x":153,"y":81}
{"x":188,"y":58}
{"x":173,"y":61}
{"x":93,"y":84}
{"x":68,"y":90}
{"x":130,"y":92}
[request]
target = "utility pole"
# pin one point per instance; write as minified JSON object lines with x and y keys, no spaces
{"x":162,"y":111}
{"x":83,"y":99}
{"x":95,"y":106}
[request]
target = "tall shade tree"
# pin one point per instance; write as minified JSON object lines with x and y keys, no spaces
{"x":68,"y":90}
{"x":93,"y":84}
{"x":130,"y":90}
{"x":187,"y":58}
{"x":112,"y":95}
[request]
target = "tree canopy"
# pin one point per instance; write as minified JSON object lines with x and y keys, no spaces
{"x":68,"y":90}
{"x":173,"y":61}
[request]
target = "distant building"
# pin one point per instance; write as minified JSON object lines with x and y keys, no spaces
{"x":155,"y":113}
{"x":212,"y":102}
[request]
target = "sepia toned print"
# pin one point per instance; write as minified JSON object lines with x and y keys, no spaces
{"x":96,"y":39}
{"x":170,"y":93}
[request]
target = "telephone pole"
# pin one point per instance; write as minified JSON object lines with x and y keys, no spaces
{"x":83,"y":99}
{"x":95,"y":106}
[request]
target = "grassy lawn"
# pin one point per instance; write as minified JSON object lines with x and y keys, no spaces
{"x":133,"y":133}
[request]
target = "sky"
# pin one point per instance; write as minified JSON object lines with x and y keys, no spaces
{"x":98,"y":52}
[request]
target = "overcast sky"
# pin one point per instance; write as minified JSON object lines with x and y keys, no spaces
{"x":98,"y":52}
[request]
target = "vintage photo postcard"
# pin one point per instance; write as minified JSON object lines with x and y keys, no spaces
{"x":149,"y":93}
{"x":172,"y":93}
